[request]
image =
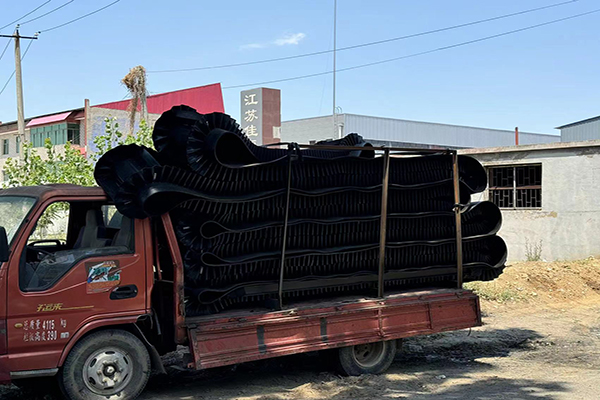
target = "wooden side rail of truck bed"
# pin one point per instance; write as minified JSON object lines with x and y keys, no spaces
{"x":235,"y":337}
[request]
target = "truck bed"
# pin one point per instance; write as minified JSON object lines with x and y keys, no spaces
{"x":246,"y":335}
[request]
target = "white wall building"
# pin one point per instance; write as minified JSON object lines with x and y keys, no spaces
{"x":549,"y":196}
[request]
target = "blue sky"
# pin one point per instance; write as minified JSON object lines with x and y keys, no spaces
{"x":536,"y":80}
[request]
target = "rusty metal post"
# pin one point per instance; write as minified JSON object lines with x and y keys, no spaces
{"x":156,"y":258}
{"x":178,"y":281}
{"x":457,"y":209}
{"x":285,"y":229}
{"x":383,"y":222}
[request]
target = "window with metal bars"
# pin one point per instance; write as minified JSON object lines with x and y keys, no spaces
{"x":516,"y":186}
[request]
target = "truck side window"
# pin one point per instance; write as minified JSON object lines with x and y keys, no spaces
{"x":52,"y":225}
{"x":67,"y":233}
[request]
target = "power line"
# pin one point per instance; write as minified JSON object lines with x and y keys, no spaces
{"x":49,"y":12}
{"x":13,"y":73}
{"x":366,"y":44}
{"x":29,"y":13}
{"x":82,"y":17}
{"x":420,"y":53}
{"x":5,"y":48}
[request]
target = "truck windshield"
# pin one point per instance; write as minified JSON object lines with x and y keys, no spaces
{"x":13,"y":210}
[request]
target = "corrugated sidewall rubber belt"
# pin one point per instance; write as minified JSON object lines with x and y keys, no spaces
{"x":228,"y":199}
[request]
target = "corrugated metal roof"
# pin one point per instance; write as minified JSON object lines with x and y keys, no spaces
{"x":433,"y":133}
{"x":394,"y":130}
{"x":27,"y":119}
{"x":583,"y":121}
{"x":48,"y":119}
{"x":585,"y":131}
{"x":205,"y":99}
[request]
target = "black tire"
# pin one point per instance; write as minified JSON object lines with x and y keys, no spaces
{"x":115,"y":357}
{"x":370,"y":358}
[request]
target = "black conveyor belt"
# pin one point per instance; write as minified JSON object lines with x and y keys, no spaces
{"x":227,"y":200}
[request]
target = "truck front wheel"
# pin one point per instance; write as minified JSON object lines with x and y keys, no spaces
{"x":368,"y":358}
{"x":110,"y":364}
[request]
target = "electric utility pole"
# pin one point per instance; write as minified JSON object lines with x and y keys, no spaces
{"x":335,"y":129}
{"x":19,"y":77}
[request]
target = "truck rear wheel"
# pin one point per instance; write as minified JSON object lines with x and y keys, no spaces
{"x":111,"y":364}
{"x":368,"y":358}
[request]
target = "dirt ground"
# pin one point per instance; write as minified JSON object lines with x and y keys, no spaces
{"x":540,"y":340}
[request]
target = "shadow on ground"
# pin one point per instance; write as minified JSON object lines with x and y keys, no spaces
{"x":420,"y":370}
{"x":435,"y":366}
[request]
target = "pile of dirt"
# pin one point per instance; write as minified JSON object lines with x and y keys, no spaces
{"x":544,"y":282}
{"x":334,"y":387}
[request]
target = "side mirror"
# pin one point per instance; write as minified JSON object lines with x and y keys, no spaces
{"x":3,"y":245}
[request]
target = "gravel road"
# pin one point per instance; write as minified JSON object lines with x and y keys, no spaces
{"x":528,"y":353}
{"x":540,"y":340}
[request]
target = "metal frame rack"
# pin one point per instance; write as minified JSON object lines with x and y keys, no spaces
{"x":388,"y":152}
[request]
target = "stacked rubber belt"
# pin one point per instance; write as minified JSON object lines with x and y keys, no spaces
{"x":228,"y":201}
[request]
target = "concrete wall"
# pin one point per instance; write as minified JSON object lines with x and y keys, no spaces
{"x":304,"y":130}
{"x":11,"y":133}
{"x":96,"y":124}
{"x":12,"y":146}
{"x":41,"y":151}
{"x":568,"y":223}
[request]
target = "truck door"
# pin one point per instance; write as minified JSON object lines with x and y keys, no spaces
{"x":78,"y":261}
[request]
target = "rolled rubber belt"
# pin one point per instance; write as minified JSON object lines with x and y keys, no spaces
{"x":227,"y":200}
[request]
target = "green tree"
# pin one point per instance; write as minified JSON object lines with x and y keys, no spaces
{"x":68,"y":166}
{"x":114,"y":137}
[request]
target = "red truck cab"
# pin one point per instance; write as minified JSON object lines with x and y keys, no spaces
{"x":70,"y":269}
{"x":95,"y":298}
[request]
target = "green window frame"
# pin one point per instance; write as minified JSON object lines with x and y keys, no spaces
{"x":5,"y":146}
{"x":57,"y":134}
{"x":73,"y":134}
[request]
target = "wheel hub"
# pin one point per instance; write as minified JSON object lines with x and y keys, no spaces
{"x":369,"y":354}
{"x":107,"y":371}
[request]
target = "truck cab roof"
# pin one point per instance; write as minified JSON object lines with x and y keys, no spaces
{"x":43,"y":192}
